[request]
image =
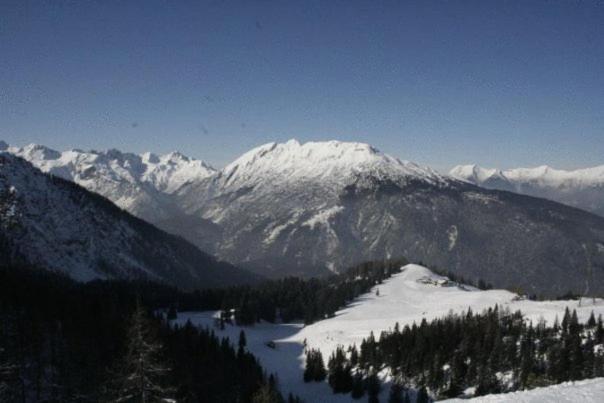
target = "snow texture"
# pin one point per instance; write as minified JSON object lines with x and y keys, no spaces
{"x":587,"y":391}
{"x":407,"y":297}
{"x":140,"y":184}
{"x":582,"y":188}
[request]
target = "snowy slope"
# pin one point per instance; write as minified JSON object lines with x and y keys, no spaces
{"x":587,"y":391}
{"x":407,"y":297}
{"x":307,"y":209}
{"x":582,"y":188}
{"x":278,"y":203}
{"x":333,"y":163}
{"x":55,"y":224}
{"x":140,"y":184}
{"x":417,"y":293}
{"x":319,"y":207}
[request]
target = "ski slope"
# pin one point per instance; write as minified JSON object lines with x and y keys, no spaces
{"x":587,"y":391}
{"x":410,"y":296}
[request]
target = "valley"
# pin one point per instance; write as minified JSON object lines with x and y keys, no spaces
{"x":406,"y":298}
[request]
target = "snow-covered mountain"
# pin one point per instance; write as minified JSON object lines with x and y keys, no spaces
{"x":278,"y":205}
{"x":293,"y":208}
{"x":308,"y":209}
{"x":140,"y":184}
{"x":582,"y":188}
{"x":55,"y":224}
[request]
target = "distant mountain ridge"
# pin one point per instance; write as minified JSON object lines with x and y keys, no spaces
{"x":55,"y":224}
{"x":140,"y":184}
{"x":319,"y":207}
{"x":582,"y":188}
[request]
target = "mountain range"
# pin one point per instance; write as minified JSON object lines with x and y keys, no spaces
{"x":582,"y":188}
{"x":315,"y":208}
{"x":52,"y":223}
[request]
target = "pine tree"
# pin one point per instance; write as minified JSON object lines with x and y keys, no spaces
{"x":487,"y":382}
{"x":315,"y":367}
{"x":591,"y":322}
{"x":142,"y":377}
{"x":241,"y":344}
{"x":340,"y":378}
{"x":267,"y":394}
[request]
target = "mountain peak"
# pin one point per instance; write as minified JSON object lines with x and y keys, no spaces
{"x":331,"y":161}
{"x":37,"y":151}
{"x":475,"y":173}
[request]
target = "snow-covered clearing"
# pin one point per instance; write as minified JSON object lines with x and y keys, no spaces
{"x":406,"y":297}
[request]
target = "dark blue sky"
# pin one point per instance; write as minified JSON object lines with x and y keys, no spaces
{"x":501,"y":83}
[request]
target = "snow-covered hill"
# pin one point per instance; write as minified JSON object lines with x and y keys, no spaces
{"x":587,"y":391}
{"x":407,"y":297}
{"x":140,"y":184}
{"x":55,"y":224}
{"x":582,"y":188}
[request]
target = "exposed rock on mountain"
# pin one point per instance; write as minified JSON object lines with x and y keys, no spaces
{"x":289,"y":208}
{"x":55,"y":224}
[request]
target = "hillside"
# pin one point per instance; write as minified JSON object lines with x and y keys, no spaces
{"x":140,"y":184}
{"x":588,"y":391}
{"x":407,"y":297}
{"x":582,"y":188}
{"x":311,"y":209}
{"x":53,"y":223}
{"x":308,"y":209}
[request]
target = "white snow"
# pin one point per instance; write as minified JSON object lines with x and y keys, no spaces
{"x":543,"y":176}
{"x":406,"y":297}
{"x":587,"y":391}
{"x":323,"y":217}
{"x":140,"y":184}
{"x":327,"y":161}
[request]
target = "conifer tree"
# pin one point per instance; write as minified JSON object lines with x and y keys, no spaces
{"x":340,"y":377}
{"x":267,"y":394}
{"x":315,"y":367}
{"x":241,"y":344}
{"x":143,"y":376}
{"x":591,"y":322}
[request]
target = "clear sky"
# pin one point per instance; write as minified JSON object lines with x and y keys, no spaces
{"x":499,"y":83}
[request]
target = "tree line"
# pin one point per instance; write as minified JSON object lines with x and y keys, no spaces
{"x":292,"y":298}
{"x":495,"y":351}
{"x":62,"y":341}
